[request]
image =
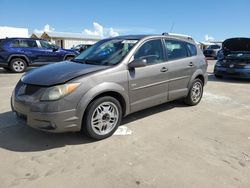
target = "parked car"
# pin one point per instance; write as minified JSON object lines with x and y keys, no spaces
{"x":113,"y":78}
{"x":234,"y":59}
{"x":212,"y":51}
{"x":81,"y":47}
{"x":16,"y":54}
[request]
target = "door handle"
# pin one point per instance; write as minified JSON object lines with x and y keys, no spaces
{"x":191,"y":64}
{"x":164,"y":69}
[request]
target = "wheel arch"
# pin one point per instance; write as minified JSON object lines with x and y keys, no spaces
{"x":21,"y":56}
{"x":198,"y":74}
{"x":104,"y":89}
{"x":68,"y":55}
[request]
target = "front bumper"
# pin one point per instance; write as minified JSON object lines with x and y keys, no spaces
{"x":232,"y":72}
{"x":61,"y":121}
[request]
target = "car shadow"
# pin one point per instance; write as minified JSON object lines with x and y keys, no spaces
{"x":212,"y":78}
{"x":3,"y":71}
{"x":17,"y":136}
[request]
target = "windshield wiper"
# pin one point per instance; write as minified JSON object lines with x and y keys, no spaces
{"x":91,"y":62}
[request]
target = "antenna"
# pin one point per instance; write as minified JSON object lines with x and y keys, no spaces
{"x":172,"y":27}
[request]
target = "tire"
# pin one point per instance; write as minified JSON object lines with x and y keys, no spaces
{"x":195,"y":93}
{"x":110,"y":114}
{"x":68,"y":58}
{"x":218,"y":76}
{"x":18,"y":65}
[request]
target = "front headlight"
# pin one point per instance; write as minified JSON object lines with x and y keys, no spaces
{"x":59,"y":91}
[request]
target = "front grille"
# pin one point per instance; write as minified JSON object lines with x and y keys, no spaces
{"x":26,"y":89}
{"x":31,"y":89}
{"x":237,"y":65}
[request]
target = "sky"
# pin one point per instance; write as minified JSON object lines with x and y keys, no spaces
{"x":210,"y":19}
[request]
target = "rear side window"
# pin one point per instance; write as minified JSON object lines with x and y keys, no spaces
{"x":15,"y":44}
{"x":24,"y":44}
{"x":27,"y":43}
{"x":152,"y":51}
{"x":192,"y":49}
{"x":175,"y":49}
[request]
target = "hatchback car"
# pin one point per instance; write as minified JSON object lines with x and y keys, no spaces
{"x":212,"y":51}
{"x":234,"y":59}
{"x":18,"y":53}
{"x":111,"y":79}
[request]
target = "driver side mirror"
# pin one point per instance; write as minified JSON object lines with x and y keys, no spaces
{"x":55,"y":48}
{"x":137,"y":63}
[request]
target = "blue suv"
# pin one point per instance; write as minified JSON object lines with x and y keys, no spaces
{"x":16,"y":54}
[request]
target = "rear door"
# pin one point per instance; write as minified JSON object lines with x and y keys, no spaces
{"x":148,"y":85}
{"x":180,"y":67}
{"x":26,"y":47}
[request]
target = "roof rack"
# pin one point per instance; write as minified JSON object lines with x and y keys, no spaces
{"x":179,"y":35}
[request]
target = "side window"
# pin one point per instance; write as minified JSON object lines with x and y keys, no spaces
{"x":23,"y":43}
{"x":45,"y":44}
{"x":32,"y":44}
{"x":175,"y":49}
{"x":15,"y":44}
{"x":192,"y":49}
{"x":151,"y":51}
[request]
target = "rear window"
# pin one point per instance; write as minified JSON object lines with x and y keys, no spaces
{"x":213,"y":47}
{"x":192,"y":49}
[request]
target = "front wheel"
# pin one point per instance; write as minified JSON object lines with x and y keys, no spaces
{"x":195,"y":93}
{"x":103,"y":117}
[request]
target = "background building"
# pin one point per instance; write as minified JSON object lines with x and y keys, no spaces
{"x":66,"y":40}
{"x":13,"y":32}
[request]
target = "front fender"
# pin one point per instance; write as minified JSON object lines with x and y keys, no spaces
{"x":98,"y":90}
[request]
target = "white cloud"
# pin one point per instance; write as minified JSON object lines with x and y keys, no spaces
{"x":209,"y":38}
{"x":113,"y":33}
{"x":100,"y":31}
{"x":46,"y":28}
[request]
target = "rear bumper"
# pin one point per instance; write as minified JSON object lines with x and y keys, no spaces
{"x":232,"y":72}
{"x":62,"y":121}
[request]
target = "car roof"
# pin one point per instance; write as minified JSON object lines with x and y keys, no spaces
{"x":20,"y":38}
{"x":139,"y":37}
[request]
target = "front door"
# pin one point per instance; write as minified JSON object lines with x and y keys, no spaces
{"x":47,"y":53}
{"x":148,"y":85}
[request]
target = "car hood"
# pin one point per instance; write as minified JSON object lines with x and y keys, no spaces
{"x":58,"y":73}
{"x":236,"y":44}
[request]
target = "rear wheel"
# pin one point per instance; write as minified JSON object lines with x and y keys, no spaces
{"x":18,"y":65}
{"x":195,"y":93}
{"x":103,"y":117}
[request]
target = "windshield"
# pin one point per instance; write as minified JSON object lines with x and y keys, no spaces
{"x":106,"y":52}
